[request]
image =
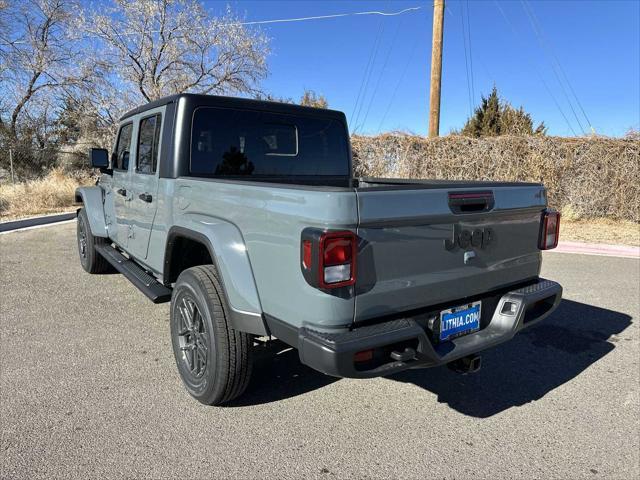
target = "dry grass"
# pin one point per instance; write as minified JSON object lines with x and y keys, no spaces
{"x":586,"y":177}
{"x":600,"y":230}
{"x":50,"y":194}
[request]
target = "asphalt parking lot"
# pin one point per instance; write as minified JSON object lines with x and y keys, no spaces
{"x":89,"y":388}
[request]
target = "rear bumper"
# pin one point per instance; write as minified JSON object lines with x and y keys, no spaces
{"x":333,"y":353}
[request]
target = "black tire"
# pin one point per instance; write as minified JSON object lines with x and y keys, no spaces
{"x":90,"y":259}
{"x":213,"y":359}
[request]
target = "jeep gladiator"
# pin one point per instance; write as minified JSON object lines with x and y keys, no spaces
{"x":245,"y":215}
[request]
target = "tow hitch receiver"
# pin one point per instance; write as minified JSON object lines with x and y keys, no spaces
{"x":404,"y":356}
{"x":465,"y":365}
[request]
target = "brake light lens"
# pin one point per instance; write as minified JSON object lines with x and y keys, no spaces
{"x":337,"y":259}
{"x":549,"y":230}
{"x":329,"y":258}
{"x":337,"y":250}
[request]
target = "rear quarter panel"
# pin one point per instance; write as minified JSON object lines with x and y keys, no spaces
{"x":270,"y":220}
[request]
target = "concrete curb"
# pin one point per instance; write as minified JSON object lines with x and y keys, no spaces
{"x":36,"y":221}
{"x":598,"y":249}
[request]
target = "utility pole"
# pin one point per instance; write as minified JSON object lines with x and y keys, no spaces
{"x":436,"y":68}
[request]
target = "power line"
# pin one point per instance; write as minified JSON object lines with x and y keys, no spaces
{"x":257,"y":22}
{"x":532,"y":64}
{"x":553,"y":66}
{"x":562,"y":71}
{"x":466,"y":61}
{"x":365,"y":74}
{"x":395,"y":90}
{"x":478,"y":56}
{"x":366,"y":87}
{"x":384,"y":66}
{"x":323,"y":17}
{"x":369,"y":74}
{"x":473,"y":93}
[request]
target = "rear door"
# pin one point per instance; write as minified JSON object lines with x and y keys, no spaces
{"x":120,"y":161}
{"x":426,"y":246}
{"x":143,"y":185}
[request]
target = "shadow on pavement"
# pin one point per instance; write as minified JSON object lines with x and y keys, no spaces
{"x":278,"y":374}
{"x":522,"y":370}
{"x":529,"y":366}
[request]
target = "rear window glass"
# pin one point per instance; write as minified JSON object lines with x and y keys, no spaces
{"x":148,"y":139}
{"x":227,"y":142}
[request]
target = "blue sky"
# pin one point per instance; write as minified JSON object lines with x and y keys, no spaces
{"x":597,"y":44}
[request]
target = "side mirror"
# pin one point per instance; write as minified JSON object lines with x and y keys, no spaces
{"x":99,"y":158}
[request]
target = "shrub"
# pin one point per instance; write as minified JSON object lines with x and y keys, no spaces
{"x":593,"y":176}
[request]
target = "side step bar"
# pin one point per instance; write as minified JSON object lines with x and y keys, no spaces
{"x":148,"y":285}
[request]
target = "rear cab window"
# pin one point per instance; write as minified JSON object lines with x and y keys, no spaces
{"x":240,"y":143}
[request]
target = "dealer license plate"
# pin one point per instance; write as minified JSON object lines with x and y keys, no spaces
{"x":459,"y":321}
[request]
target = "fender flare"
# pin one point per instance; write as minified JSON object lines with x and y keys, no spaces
{"x":91,"y":198}
{"x":227,"y":250}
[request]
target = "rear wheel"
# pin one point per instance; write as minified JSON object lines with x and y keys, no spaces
{"x":90,"y":259}
{"x":214,"y":360}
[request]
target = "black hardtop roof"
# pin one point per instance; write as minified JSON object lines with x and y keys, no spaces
{"x":236,"y":102}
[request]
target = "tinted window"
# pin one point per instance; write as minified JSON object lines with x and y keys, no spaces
{"x":243,"y":142}
{"x":147,"y":156}
{"x":121,"y":154}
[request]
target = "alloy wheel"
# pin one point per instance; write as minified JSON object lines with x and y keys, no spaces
{"x":192,"y":337}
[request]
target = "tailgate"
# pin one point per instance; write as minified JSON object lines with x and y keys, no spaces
{"x":426,"y":246}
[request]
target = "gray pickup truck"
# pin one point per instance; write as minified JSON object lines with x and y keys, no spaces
{"x":245,"y":215}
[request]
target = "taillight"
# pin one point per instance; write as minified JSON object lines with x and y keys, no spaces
{"x":549,"y":230}
{"x":306,"y":254}
{"x":337,"y":259}
{"x":329,"y":258}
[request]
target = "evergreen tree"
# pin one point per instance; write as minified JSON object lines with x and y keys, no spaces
{"x":495,"y":117}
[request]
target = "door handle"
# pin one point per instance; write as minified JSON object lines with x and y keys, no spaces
{"x":121,"y":191}
{"x":145,"y":197}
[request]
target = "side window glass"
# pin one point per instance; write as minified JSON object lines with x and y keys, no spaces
{"x":121,"y":154}
{"x":148,"y":139}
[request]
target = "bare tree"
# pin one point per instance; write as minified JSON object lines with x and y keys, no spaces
{"x":5,"y":40}
{"x":4,"y":49}
{"x":309,"y":98}
{"x":162,"y":47}
{"x":40,"y":57}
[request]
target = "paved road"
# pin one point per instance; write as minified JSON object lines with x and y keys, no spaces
{"x":89,"y":388}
